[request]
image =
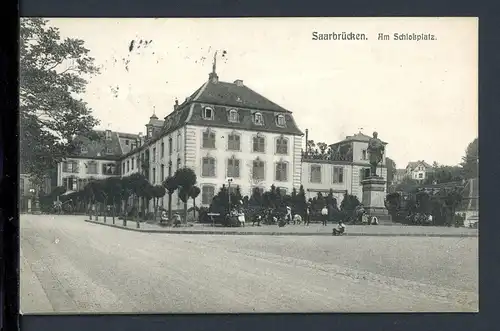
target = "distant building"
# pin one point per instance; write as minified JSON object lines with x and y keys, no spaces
{"x":399,"y":175}
{"x":418,"y":170}
{"x":341,"y":168}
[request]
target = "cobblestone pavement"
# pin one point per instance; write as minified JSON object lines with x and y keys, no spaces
{"x":68,"y":265}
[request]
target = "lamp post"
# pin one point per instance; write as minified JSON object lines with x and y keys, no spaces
{"x":229,"y":181}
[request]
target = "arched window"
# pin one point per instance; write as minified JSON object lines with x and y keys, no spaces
{"x":208,"y":167}
{"x":259,"y":144}
{"x":282,"y":145}
{"x":233,"y":116}
{"x":258,"y":119}
{"x":280,"y":120}
{"x":233,"y":142}
{"x":258,"y":170}
{"x":208,"y":139}
{"x":281,"y":171}
{"x":233,"y":168}
{"x":208,"y":113}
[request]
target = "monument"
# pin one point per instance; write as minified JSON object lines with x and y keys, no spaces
{"x":374,"y":185}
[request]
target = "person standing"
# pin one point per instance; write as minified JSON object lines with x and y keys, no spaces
{"x":288,"y":215}
{"x":308,"y":214}
{"x":324,"y":215}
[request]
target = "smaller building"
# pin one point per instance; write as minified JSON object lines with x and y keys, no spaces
{"x":418,"y":170}
{"x":340,"y":167}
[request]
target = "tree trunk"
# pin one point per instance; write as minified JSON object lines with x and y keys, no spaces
{"x":96,"y":205}
{"x":169,"y":207}
{"x":156,"y":202}
{"x":185,"y":212}
{"x":125,"y":208}
{"x":194,"y":209}
{"x":89,"y":209}
{"x":114,"y":206}
{"x":138,"y":225}
{"x":105,"y":209}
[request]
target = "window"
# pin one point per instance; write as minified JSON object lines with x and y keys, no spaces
{"x":128,"y":165}
{"x":22,"y":186}
{"x":420,"y":176}
{"x":282,"y":145}
{"x":154,"y":176}
{"x":233,"y":116}
{"x":83,"y":150}
{"x":258,"y":119}
{"x":281,"y":171}
{"x":208,"y":139}
{"x":338,"y":175}
{"x":179,"y":141}
{"x":92,"y":167}
{"x":280,"y":120}
{"x":108,"y":169}
{"x":258,"y":170}
{"x":150,"y":132}
{"x":207,"y":194}
{"x":123,"y":167}
{"x":132,"y":165}
{"x":259,"y":144}
{"x":208,"y":113}
{"x":162,"y":149}
{"x":126,"y":142}
{"x":178,"y":163}
{"x":233,"y":142}
{"x":208,"y":167}
{"x":363,"y":154}
{"x":170,"y":168}
{"x":233,"y":168}
{"x":170,"y":146}
{"x":70,"y":166}
{"x":315,"y":174}
{"x":108,"y":150}
{"x":162,"y":172}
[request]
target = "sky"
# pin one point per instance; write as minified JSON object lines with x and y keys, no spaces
{"x":420,"y":96}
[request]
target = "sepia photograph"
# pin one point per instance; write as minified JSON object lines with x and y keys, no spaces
{"x":248,"y":165}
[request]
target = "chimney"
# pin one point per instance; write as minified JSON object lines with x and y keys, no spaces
{"x":176,"y":105}
{"x":238,"y":82}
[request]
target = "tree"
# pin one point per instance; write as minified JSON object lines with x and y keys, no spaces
{"x":391,"y":169}
{"x":52,"y":76}
{"x":137,"y":184}
{"x":193,"y":194}
{"x":158,"y":192}
{"x":185,"y":179}
{"x":114,"y":192}
{"x":170,"y":185}
{"x":470,"y":162}
{"x":125,"y":194}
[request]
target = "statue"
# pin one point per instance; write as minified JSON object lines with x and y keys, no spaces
{"x":376,"y":150}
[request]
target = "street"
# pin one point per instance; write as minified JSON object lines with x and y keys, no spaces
{"x":68,"y":265}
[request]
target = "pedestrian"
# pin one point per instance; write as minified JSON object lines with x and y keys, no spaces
{"x":288,"y":215}
{"x":297,"y":219}
{"x":308,"y":214}
{"x":324,"y":215}
{"x":241,"y":218}
{"x":340,"y":230}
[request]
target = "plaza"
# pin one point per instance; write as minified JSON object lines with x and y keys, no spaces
{"x":127,"y":271}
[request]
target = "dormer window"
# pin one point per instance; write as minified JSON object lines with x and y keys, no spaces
{"x":258,"y":119}
{"x":83,"y":150}
{"x":208,"y":113}
{"x":109,"y":151}
{"x":233,"y":116}
{"x":280,"y":120}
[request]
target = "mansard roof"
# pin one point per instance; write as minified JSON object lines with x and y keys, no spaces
{"x":97,"y":146}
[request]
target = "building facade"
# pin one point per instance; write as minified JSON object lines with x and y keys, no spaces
{"x":340,"y":168}
{"x":227,"y":133}
{"x":418,"y":170}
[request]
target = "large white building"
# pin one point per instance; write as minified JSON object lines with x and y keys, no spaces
{"x":223,"y":130}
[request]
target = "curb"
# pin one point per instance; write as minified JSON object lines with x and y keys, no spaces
{"x":248,"y":233}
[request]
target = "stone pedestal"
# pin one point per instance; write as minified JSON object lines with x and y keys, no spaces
{"x":374,"y":197}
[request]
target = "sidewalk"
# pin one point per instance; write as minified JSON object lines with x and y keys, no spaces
{"x":299,"y":230}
